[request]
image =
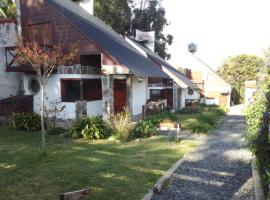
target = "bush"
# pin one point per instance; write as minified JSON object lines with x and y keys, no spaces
{"x":145,"y":128}
{"x":92,"y":128}
{"x":189,"y":110}
{"x":199,"y":127}
{"x":25,"y":121}
{"x":208,"y":118}
{"x":121,"y":125}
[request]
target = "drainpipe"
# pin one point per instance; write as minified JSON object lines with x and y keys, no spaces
{"x":18,"y":16}
{"x":19,"y":36}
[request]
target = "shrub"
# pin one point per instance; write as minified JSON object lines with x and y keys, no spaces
{"x":25,"y":121}
{"x":189,"y":110}
{"x":199,"y":127}
{"x":92,"y":128}
{"x":145,"y":128}
{"x":217,"y":111}
{"x":208,"y":118}
{"x":121,"y":125}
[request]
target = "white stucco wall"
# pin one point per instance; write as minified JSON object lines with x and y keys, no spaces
{"x":249,"y":93}
{"x":9,"y":81}
{"x":53,"y":92}
{"x":195,"y":95}
{"x":139,"y":94}
{"x":183,"y":98}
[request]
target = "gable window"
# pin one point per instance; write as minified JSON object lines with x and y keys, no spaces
{"x":42,"y":33}
{"x":81,"y":89}
{"x":92,"y":61}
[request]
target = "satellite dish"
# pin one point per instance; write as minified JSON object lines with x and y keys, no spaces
{"x":192,"y":48}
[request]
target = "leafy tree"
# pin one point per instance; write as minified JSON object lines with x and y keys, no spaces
{"x":7,"y":8}
{"x":115,"y":13}
{"x":236,"y":70}
{"x":124,"y":16}
{"x":181,"y":70}
{"x":150,"y":16}
{"x":44,"y":61}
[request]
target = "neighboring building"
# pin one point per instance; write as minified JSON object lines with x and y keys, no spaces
{"x":214,"y":90}
{"x":178,"y":91}
{"x":250,"y":89}
{"x":9,"y":82}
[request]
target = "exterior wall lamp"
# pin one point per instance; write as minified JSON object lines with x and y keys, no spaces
{"x":140,"y":79}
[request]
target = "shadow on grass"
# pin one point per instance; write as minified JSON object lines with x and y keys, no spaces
{"x":112,"y":170}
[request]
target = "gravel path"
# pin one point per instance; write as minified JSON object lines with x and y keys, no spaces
{"x":218,"y":169}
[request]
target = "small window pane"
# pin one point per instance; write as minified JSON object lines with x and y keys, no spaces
{"x":71,"y":90}
{"x":92,"y":89}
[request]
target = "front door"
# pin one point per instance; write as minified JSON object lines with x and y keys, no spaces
{"x":120,"y":95}
{"x":168,"y":94}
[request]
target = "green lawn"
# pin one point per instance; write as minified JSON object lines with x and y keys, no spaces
{"x":112,"y":170}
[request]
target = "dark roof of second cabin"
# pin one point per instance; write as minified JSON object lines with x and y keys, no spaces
{"x":160,"y":61}
{"x":107,"y":39}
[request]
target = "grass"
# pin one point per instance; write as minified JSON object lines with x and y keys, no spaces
{"x":112,"y":170}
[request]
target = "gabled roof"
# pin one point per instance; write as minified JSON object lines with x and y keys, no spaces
{"x":106,"y":38}
{"x":211,"y":70}
{"x":182,"y":80}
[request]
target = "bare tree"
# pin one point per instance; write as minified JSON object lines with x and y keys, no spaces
{"x":44,"y":61}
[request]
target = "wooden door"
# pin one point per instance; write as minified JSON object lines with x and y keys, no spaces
{"x":168,"y":94}
{"x":120,"y":95}
{"x":223,"y":100}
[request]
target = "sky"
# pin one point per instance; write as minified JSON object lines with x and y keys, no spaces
{"x":220,"y":28}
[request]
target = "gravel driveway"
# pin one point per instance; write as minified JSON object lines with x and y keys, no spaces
{"x":218,"y":169}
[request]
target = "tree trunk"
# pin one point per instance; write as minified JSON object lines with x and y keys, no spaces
{"x":43,"y":132}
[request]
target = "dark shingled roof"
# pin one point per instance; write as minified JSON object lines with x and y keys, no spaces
{"x":107,"y":39}
{"x":160,"y":61}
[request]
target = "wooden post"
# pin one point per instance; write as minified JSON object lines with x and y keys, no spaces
{"x":143,"y":112}
{"x":76,"y":195}
{"x":178,"y":129}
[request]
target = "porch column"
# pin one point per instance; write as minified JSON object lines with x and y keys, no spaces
{"x":107,"y":95}
{"x":129,"y":94}
{"x":175,"y":96}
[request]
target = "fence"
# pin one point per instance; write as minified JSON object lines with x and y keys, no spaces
{"x":153,"y":107}
{"x":23,"y":103}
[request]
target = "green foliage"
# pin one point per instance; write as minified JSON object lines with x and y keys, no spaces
{"x":7,"y":8}
{"x":206,"y":119}
{"x":115,"y":13}
{"x":25,"y":121}
{"x":236,"y":70}
{"x":145,"y":128}
{"x":198,"y":126}
{"x":121,"y":125}
{"x":151,"y":17}
{"x":92,"y":128}
{"x":258,"y":141}
{"x":190,"y":110}
{"x":124,"y":16}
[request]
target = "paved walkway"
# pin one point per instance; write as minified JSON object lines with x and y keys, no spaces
{"x":219,"y":169}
